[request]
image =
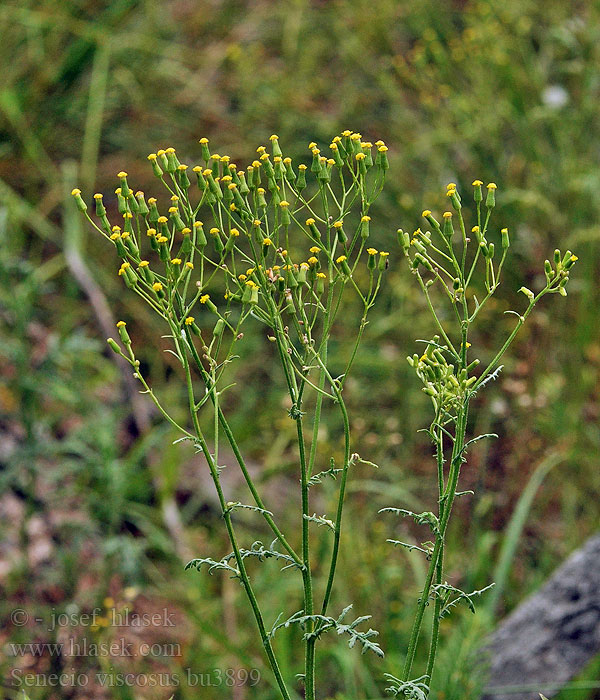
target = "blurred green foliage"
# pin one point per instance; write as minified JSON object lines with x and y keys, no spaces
{"x":504,"y":91}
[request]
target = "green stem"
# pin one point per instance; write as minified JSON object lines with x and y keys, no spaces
{"x":340,"y":506}
{"x":446,"y":507}
{"x":435,"y":627}
{"x":230,"y":531}
{"x":309,"y":676}
{"x":240,"y":460}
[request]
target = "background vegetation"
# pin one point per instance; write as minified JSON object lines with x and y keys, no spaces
{"x":95,"y":502}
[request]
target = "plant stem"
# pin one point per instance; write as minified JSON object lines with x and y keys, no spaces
{"x":240,"y":460}
{"x":446,"y":507}
{"x":230,"y":530}
{"x":309,"y":676}
{"x":340,"y":506}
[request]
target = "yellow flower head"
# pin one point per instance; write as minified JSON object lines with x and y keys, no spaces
{"x":341,"y":259}
{"x":204,"y":298}
{"x":477,"y":183}
{"x":144,"y":263}
{"x":267,"y":241}
{"x":492,"y":186}
{"x":365,"y":218}
{"x":122,"y":174}
{"x":283,"y":204}
{"x":121,"y":324}
{"x":234,"y":232}
{"x":176,"y":261}
{"x":315,"y":249}
{"x":75,"y":192}
{"x":157,"y":287}
{"x":426,"y":213}
{"x":189,"y":320}
{"x":372,"y":251}
{"x":152,"y":156}
{"x":338,"y":224}
{"x":189,"y":265}
{"x":447,"y":215}
{"x":313,"y":261}
{"x":360,"y":156}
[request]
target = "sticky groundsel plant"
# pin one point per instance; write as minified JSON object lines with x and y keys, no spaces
{"x":280,"y":246}
{"x":283,"y":246}
{"x":452,"y":269}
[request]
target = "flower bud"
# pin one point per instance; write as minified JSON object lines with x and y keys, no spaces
{"x":285,"y":214}
{"x":81,"y":205}
{"x":153,"y":158}
{"x":340,"y":233}
{"x":477,"y":192}
{"x":172,"y":161}
{"x":182,"y":176}
{"x":448,"y":228}
{"x":568,"y":264}
{"x":114,"y":345}
{"x":364,"y":227}
{"x":204,"y":150}
{"x":403,"y":240}
{"x":146,"y":272}
{"x":490,"y":200}
{"x":528,"y":293}
{"x":505,"y":238}
{"x":342,"y":261}
{"x":124,"y":335}
{"x":142,"y":207}
{"x":301,"y":179}
{"x":261,"y":202}
{"x":274,"y":139}
{"x":125,"y":191}
{"x":219,"y":328}
{"x":100,"y":208}
{"x":381,"y":159}
{"x":162,"y":159}
{"x":337,"y":158}
{"x":384,"y":263}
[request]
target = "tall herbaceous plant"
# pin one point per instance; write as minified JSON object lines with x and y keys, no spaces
{"x":284,"y":245}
